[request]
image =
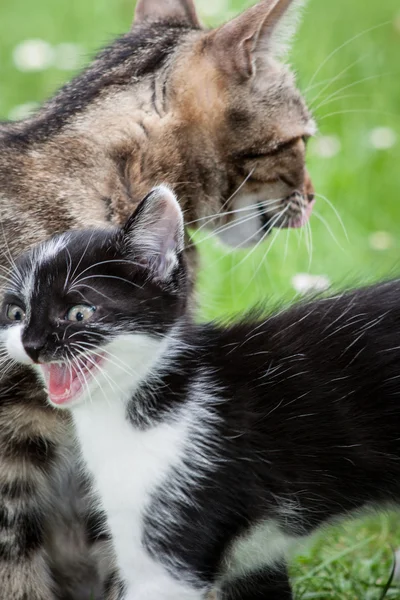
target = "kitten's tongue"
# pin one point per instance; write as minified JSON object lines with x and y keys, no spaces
{"x":61,"y":382}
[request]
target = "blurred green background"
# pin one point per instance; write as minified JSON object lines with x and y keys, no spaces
{"x":347,"y":58}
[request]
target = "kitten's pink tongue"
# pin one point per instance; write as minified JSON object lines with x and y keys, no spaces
{"x":61,"y":382}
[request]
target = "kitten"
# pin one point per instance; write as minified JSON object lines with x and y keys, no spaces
{"x":213,"y":448}
{"x":215,"y":114}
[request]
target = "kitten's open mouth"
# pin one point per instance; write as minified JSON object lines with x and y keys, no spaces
{"x":66,"y":381}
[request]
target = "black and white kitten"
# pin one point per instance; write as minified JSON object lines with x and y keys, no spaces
{"x":213,"y":448}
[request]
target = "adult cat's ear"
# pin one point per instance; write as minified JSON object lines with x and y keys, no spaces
{"x":171,"y":10}
{"x":264,"y":28}
{"x":154,"y":234}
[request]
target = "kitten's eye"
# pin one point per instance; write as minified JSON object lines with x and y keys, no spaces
{"x":80,"y":313}
{"x":15,"y":313}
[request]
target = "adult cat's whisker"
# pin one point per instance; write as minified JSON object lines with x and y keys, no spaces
{"x":334,"y":98}
{"x":274,"y":220}
{"x":323,"y":82}
{"x":328,"y":85}
{"x":309,"y":243}
{"x":358,"y":111}
{"x":235,"y":211}
{"x":288,"y":229}
{"x":324,"y":222}
{"x":224,"y":204}
{"x":353,"y":84}
{"x":251,"y":207}
{"x":227,"y":227}
{"x":346,"y":43}
{"x":235,"y":193}
{"x":332,"y":206}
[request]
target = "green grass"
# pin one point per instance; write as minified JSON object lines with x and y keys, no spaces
{"x":353,"y":561}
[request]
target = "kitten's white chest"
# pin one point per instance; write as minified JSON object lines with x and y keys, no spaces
{"x":128,"y":466}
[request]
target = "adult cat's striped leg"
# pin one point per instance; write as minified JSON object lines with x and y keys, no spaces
{"x":29,"y":436}
{"x":266,"y":584}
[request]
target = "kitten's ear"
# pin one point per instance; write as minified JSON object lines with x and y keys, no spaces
{"x":263,"y":28}
{"x":171,"y":10}
{"x":154,"y":234}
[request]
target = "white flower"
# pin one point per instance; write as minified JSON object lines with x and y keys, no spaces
{"x":68,"y":56}
{"x":326,"y":146}
{"x":382,"y":138}
{"x":212,"y":8}
{"x":33,"y":55}
{"x":304,"y":283}
{"x":380,"y":240}
{"x":22,"y":111}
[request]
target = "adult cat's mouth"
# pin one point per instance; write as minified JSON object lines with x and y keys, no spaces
{"x":295,"y":214}
{"x":66,"y":381}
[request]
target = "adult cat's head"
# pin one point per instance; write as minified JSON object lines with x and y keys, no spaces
{"x":227,"y":119}
{"x":93,"y":308}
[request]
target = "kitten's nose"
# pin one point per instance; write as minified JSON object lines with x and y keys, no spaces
{"x":33,"y":349}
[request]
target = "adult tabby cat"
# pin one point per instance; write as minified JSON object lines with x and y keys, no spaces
{"x":213,"y":448}
{"x":206,"y":111}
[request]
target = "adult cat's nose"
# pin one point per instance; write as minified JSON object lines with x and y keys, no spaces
{"x":33,"y":349}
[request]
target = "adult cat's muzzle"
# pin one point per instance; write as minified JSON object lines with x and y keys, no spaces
{"x":294,"y":212}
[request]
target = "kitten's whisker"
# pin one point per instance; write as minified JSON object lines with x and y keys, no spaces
{"x":97,"y":381}
{"x":105,"y":262}
{"x":79,"y":282}
{"x":89,"y":287}
{"x":113,"y":384}
{"x":77,"y":363}
{"x":16,"y":272}
{"x":69,"y":267}
{"x":82,"y":346}
{"x":82,"y":256}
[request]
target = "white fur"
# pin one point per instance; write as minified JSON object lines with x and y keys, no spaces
{"x":246,"y":226}
{"x":11,"y":338}
{"x":129,"y":464}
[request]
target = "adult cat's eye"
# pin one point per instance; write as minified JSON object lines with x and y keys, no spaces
{"x":15,"y":313}
{"x":80,"y":313}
